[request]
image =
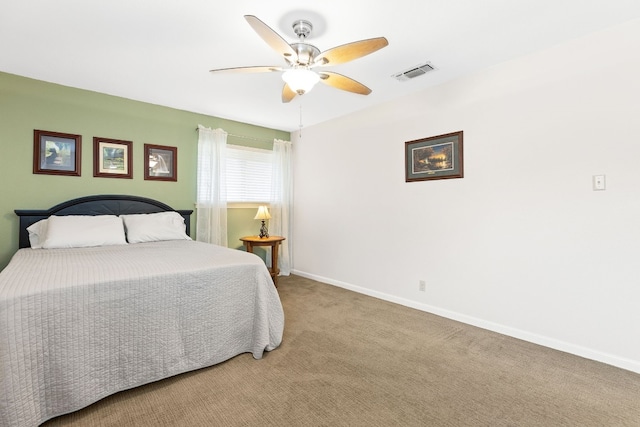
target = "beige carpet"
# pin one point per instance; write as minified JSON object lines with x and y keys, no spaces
{"x":352,"y":360}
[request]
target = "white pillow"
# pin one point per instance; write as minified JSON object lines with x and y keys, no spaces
{"x":80,"y":231}
{"x":37,"y":233}
{"x":154,"y":227}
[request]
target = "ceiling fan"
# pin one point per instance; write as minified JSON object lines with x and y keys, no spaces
{"x":302,"y":58}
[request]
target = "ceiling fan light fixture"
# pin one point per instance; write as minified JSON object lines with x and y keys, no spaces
{"x":300,"y":80}
{"x":301,"y":57}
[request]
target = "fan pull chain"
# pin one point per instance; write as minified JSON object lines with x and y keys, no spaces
{"x":300,"y":131}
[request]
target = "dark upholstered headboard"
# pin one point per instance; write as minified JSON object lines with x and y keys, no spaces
{"x":106,"y":204}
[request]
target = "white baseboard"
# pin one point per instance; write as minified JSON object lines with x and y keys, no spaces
{"x":620,"y":362}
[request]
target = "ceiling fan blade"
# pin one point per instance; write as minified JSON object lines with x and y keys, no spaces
{"x":272,"y":38}
{"x":254,"y":69}
{"x":344,"y":83}
{"x":350,"y":51}
{"x":287,"y":93}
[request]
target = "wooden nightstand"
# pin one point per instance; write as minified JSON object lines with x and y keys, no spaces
{"x":274,"y":242}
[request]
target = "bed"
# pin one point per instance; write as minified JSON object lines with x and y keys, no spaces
{"x":80,"y":323}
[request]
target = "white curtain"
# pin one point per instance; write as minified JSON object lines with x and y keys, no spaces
{"x":281,"y":222}
{"x":211,"y":225}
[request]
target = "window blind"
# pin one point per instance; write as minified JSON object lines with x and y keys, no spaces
{"x":248,"y":174}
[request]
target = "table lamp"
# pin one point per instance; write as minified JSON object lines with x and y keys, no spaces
{"x":263,"y":213}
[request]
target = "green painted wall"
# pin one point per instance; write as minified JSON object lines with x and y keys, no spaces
{"x":27,"y":104}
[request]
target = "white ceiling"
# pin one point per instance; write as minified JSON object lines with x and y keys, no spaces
{"x":160,"y":51}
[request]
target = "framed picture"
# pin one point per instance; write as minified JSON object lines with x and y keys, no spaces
{"x":112,"y":158}
{"x":436,"y":157}
{"x":56,"y":153}
{"x":161,"y":162}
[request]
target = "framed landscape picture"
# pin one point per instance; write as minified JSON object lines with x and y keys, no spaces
{"x":112,"y":158}
{"x":56,"y":153}
{"x":436,"y":157}
{"x":161,"y":162}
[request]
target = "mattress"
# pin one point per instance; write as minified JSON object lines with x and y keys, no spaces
{"x":79,"y":324}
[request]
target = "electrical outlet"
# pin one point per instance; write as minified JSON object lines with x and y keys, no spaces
{"x":422,"y":287}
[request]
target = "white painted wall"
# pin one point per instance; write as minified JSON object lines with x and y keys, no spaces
{"x":522,"y":244}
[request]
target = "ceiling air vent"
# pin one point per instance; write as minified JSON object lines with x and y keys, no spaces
{"x":413,"y":72}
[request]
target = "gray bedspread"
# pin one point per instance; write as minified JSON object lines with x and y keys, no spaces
{"x":77,"y":325}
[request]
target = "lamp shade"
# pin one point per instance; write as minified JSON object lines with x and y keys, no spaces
{"x":263,"y":213}
{"x":300,"y":80}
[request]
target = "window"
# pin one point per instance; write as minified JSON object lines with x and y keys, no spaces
{"x":248,"y":174}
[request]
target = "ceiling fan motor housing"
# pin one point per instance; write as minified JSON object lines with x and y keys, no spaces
{"x":306,"y":53}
